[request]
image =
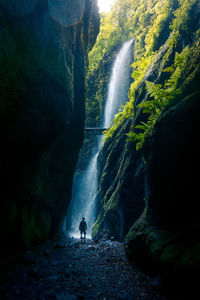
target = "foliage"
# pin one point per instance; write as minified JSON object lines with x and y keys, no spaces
{"x":162,"y":95}
{"x":114,"y":29}
{"x":97,"y":88}
{"x":124,"y":112}
{"x":158,"y":27}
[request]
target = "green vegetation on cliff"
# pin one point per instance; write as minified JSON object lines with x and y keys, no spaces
{"x":180,"y":69}
{"x":166,"y":67}
{"x":161,"y":120}
{"x":162,"y":29}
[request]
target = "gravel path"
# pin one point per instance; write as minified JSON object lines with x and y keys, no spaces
{"x":71,"y":271}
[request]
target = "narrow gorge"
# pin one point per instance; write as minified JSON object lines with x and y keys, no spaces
{"x":99,"y":118}
{"x":85,"y":186}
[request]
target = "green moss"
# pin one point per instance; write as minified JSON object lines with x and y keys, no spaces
{"x":190,"y":256}
{"x":158,"y":28}
{"x":96,"y":229}
{"x":36,"y":226}
{"x":170,"y":253}
{"x":149,"y":245}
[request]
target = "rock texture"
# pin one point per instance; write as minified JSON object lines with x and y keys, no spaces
{"x":43,"y":59}
{"x":121,"y":192}
{"x":76,"y":271}
{"x":164,"y":239}
{"x":174,"y":148}
{"x":122,"y":169}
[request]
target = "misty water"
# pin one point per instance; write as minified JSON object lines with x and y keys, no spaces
{"x":85,"y":187}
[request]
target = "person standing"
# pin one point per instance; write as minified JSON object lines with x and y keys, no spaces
{"x":83,"y":228}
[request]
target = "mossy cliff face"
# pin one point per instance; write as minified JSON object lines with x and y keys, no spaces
{"x":166,"y":238}
{"x":121,"y":192}
{"x":160,"y":178}
{"x":43,"y":59}
{"x":174,"y":148}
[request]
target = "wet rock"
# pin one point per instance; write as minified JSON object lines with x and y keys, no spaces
{"x":125,"y":296}
{"x":59,"y":245}
{"x":29,"y":257}
{"x":34,"y":274}
{"x":108,"y":259}
{"x":67,"y":274}
{"x":54,"y":278}
{"x":47,"y":252}
{"x":156,"y":282}
{"x":91,"y":247}
{"x":75,"y":257}
{"x":80,"y":274}
{"x":76,"y":245}
{"x":117,"y":268}
{"x":65,"y":296}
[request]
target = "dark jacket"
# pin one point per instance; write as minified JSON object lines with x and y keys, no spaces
{"x":83,"y":226}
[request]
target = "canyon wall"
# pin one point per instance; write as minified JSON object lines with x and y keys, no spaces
{"x":43,"y":59}
{"x":149,"y":194}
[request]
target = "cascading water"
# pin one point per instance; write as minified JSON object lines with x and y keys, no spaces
{"x":85,"y":187}
{"x":119,"y":84}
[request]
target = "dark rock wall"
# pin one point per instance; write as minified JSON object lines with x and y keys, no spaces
{"x":165,"y":240}
{"x":43,"y":61}
{"x":173,"y":163}
{"x":121,"y":192}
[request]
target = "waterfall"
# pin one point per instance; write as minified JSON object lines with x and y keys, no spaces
{"x":119,"y":84}
{"x":85,"y":187}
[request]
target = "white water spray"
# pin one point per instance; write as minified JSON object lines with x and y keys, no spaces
{"x":83,"y":203}
{"x":119,"y":84}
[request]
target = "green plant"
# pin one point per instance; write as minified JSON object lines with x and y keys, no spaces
{"x":146,"y":20}
{"x":160,"y":96}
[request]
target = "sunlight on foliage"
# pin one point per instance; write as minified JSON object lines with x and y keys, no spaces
{"x":161,"y":96}
{"x":156,"y":26}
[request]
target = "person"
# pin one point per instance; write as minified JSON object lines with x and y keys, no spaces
{"x":83,"y":228}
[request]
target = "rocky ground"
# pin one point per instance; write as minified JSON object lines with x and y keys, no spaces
{"x":71,"y":270}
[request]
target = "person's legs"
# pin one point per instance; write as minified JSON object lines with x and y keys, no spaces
{"x":84,"y":236}
{"x":81,"y":236}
